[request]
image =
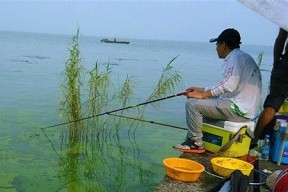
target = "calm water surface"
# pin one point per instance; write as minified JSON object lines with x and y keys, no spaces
{"x":116,"y":158}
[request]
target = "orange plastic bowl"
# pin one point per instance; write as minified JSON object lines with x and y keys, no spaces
{"x":183,"y":169}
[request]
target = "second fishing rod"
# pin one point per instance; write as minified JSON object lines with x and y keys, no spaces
{"x":116,"y":110}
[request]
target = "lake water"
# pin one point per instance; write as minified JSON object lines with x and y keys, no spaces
{"x":122,"y":158}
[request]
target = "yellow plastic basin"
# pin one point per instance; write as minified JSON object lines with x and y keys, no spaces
{"x":183,"y":169}
{"x":224,"y":166}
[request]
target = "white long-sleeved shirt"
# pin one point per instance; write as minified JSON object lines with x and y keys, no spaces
{"x":242,"y":82}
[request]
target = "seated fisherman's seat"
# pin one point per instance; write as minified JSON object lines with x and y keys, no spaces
{"x":229,"y":139}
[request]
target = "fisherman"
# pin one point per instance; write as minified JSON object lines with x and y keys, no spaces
{"x":235,"y":98}
{"x":278,"y":89}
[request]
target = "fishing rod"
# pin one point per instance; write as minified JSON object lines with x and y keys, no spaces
{"x":116,"y":110}
{"x":148,"y":121}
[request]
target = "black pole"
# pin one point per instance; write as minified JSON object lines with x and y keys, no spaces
{"x":148,"y":121}
{"x":116,"y":110}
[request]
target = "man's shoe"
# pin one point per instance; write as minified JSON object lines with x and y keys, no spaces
{"x":190,"y":146}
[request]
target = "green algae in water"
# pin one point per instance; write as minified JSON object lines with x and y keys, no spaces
{"x":97,"y":154}
{"x":8,"y":158}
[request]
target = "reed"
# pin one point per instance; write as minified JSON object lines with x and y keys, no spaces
{"x":124,"y":96}
{"x":83,"y":142}
{"x":70,"y":105}
{"x":98,"y":86}
{"x":127,"y":90}
{"x":70,"y":110}
{"x":170,"y":78}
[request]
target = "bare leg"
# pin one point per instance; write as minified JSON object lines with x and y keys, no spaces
{"x":265,"y":118}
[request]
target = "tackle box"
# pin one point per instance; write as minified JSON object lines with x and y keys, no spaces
{"x":217,"y":133}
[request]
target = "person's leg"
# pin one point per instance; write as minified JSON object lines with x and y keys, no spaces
{"x":264,"y":120}
{"x":196,"y":109}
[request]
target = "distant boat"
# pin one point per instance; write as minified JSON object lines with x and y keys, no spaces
{"x":114,"y":41}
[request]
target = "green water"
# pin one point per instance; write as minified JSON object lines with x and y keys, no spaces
{"x":105,"y":161}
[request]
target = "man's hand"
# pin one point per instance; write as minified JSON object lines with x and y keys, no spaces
{"x":190,"y":89}
{"x":199,"y":94}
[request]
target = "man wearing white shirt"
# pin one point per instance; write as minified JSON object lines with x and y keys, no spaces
{"x":235,"y":98}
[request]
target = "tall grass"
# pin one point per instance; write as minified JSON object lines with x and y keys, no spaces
{"x":126,"y":91}
{"x":83,"y":147}
{"x":98,"y":87}
{"x":170,"y":78}
{"x":70,"y":105}
{"x":71,"y":110}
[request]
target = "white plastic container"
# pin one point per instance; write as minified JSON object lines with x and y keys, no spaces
{"x":234,"y":127}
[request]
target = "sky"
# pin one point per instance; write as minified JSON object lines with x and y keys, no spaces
{"x":177,"y":20}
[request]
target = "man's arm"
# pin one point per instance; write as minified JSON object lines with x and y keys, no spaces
{"x":279,"y":46}
{"x":199,"y":94}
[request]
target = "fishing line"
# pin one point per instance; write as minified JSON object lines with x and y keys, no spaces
{"x":148,"y":121}
{"x":113,"y":111}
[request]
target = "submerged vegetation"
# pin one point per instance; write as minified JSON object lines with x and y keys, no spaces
{"x":84,"y":140}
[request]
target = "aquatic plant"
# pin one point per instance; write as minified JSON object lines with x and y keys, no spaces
{"x":169,"y":80}
{"x":98,"y":84}
{"x":83,"y":152}
{"x":70,"y":105}
{"x":126,"y":91}
{"x":70,"y":110}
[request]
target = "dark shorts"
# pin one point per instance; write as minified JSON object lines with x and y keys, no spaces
{"x":278,"y":85}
